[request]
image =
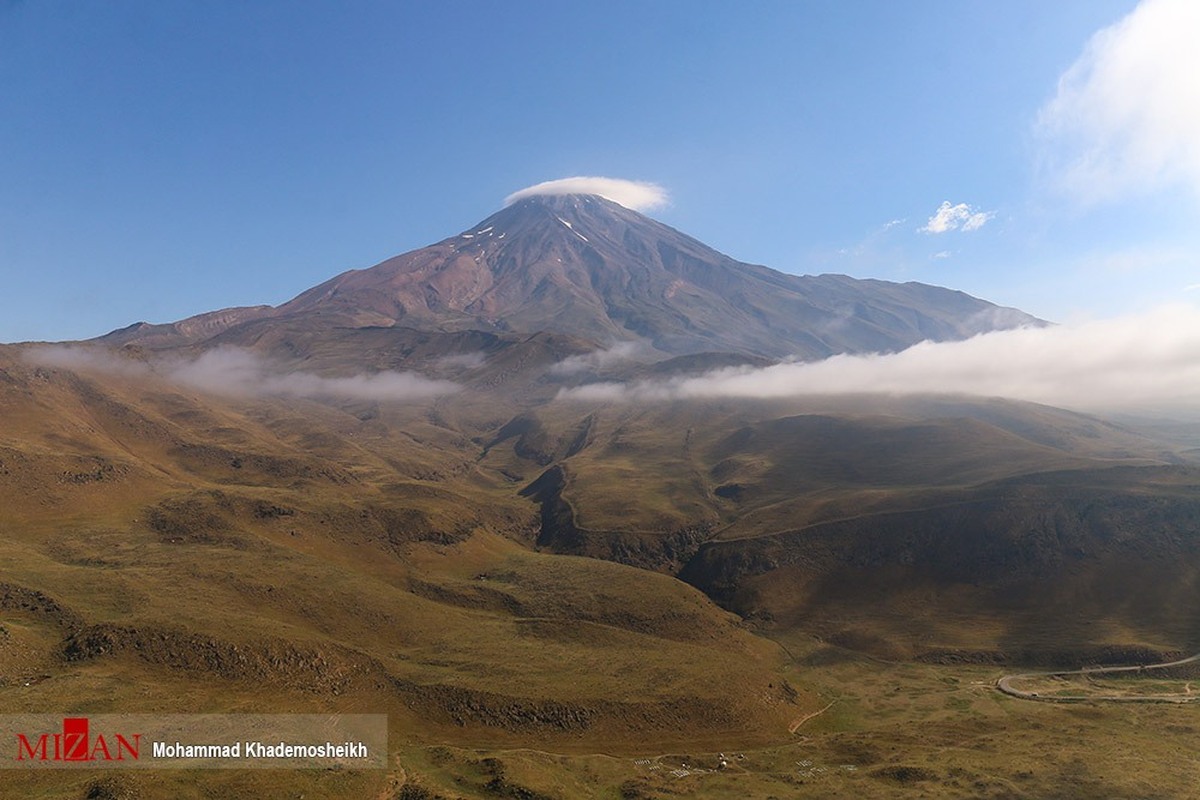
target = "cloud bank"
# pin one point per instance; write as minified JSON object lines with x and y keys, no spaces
{"x":950,"y":217}
{"x":599,"y":359}
{"x":1143,"y":362}
{"x":63,"y":356}
{"x":635,"y":195}
{"x":241,"y":373}
{"x":1126,"y":116}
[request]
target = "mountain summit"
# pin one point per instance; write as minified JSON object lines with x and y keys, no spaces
{"x":587,"y":267}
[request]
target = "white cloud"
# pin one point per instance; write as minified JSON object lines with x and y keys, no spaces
{"x":950,"y":217}
{"x":240,"y":372}
{"x":976,"y":220}
{"x":84,"y":357}
{"x":1126,"y":116}
{"x":233,"y":371}
{"x":1141,"y":362}
{"x":598,"y":359}
{"x":942,"y":254}
{"x":635,"y":195}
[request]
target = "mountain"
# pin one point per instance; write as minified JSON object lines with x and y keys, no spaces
{"x":746,"y":500}
{"x":523,"y":581}
{"x":586,"y":267}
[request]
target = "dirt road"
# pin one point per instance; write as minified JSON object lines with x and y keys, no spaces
{"x":1005,"y":685}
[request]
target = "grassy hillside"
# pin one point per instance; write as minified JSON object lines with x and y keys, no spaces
{"x":166,"y":549}
{"x":911,"y":528}
{"x":169,"y":551}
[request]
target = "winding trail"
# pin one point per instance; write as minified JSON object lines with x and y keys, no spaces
{"x":795,"y":726}
{"x":1005,"y":685}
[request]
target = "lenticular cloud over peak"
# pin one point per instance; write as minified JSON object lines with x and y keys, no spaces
{"x":634,"y":195}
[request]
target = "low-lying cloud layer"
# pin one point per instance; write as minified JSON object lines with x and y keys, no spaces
{"x":241,"y":373}
{"x":1143,"y":362}
{"x":599,"y":359}
{"x":63,"y":356}
{"x":635,"y":195}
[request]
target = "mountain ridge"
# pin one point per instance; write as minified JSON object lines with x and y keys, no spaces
{"x":590,"y":268}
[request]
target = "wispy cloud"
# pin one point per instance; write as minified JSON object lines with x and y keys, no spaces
{"x":953,"y":217}
{"x":461,"y":361}
{"x":1144,"y":361}
{"x":82,"y":357}
{"x":877,"y":236}
{"x":636,"y":195}
{"x":1126,"y":115}
{"x":238,"y":372}
{"x":1140,"y":259}
{"x":598,"y":359}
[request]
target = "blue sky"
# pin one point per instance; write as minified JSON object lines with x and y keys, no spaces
{"x":160,"y":159}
